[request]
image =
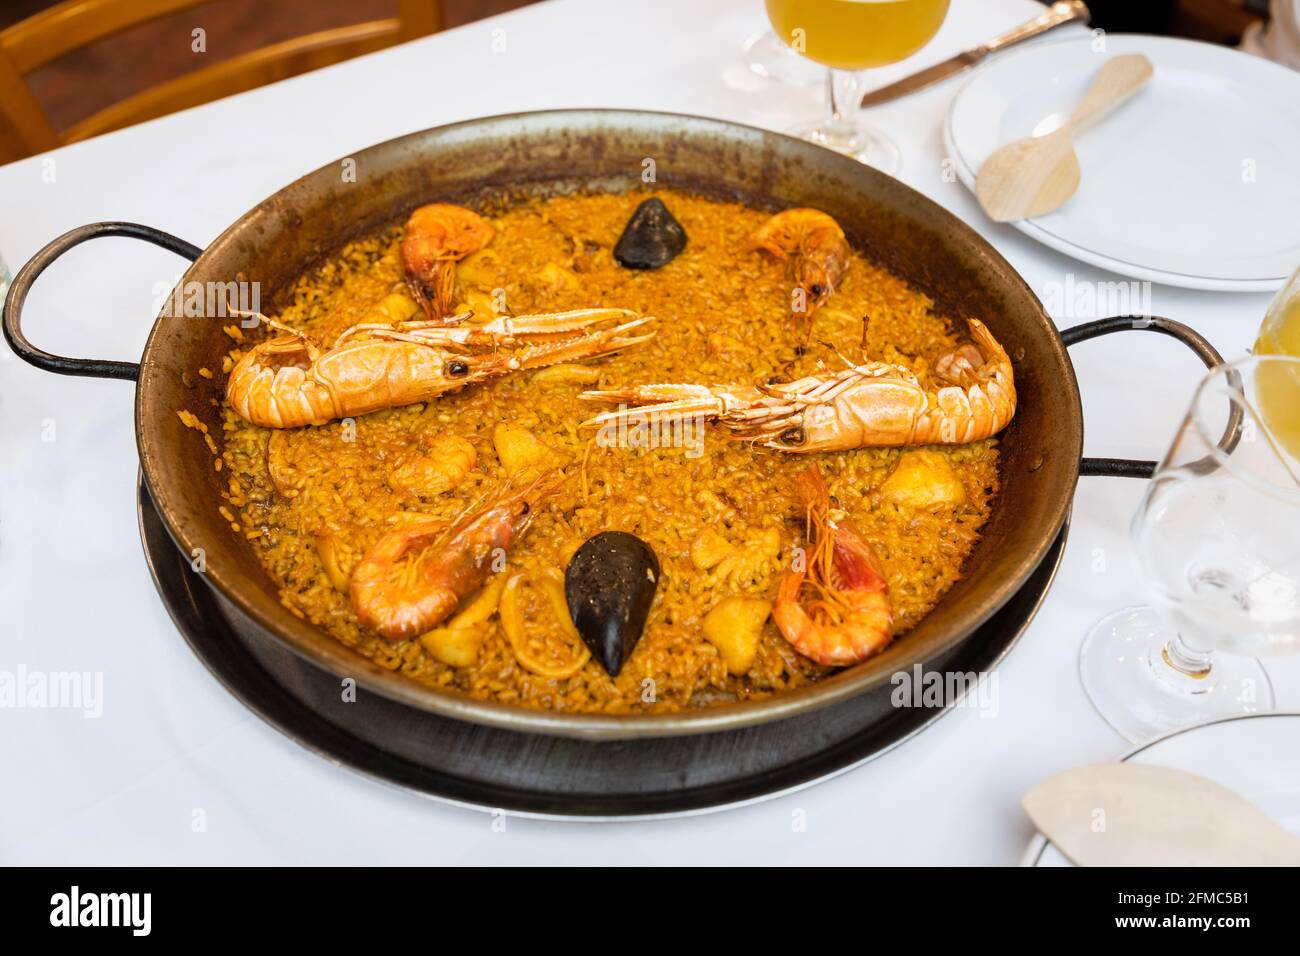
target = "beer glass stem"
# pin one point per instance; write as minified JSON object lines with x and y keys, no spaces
{"x":840,"y":133}
{"x":1185,"y":659}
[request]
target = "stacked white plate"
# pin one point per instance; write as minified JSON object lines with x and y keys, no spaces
{"x":1194,"y":182}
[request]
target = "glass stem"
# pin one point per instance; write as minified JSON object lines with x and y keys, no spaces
{"x":839,"y":131}
{"x":837,"y":118}
{"x":1186,"y":659}
{"x":841,"y":87}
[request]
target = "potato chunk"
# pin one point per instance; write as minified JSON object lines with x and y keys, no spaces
{"x":520,"y":450}
{"x":482,"y":268}
{"x":734,"y":627}
{"x":482,"y":605}
{"x":709,"y":549}
{"x":457,"y":643}
{"x":556,"y":276}
{"x":455,"y":646}
{"x":482,"y":304}
{"x":392,"y":308}
{"x":923,"y":480}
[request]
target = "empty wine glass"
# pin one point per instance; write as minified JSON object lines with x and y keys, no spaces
{"x":1217,"y":542}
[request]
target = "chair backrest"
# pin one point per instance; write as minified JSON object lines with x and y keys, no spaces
{"x":68,"y":26}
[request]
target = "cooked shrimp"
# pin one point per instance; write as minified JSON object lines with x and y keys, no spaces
{"x":437,"y":237}
{"x":847,"y":616}
{"x":813,"y":244}
{"x":401,"y":600}
{"x":441,"y":465}
{"x":868,"y":405}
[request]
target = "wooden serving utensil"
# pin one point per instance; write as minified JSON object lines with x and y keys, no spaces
{"x":1031,"y":177}
{"x":1131,"y":814}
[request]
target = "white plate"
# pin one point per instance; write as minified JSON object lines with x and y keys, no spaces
{"x":1256,"y":756}
{"x":1194,"y":182}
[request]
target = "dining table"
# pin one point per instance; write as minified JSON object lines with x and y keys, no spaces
{"x":168,"y":768}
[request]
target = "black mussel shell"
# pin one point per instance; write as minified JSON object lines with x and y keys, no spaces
{"x":652,"y":237}
{"x":609,"y":586}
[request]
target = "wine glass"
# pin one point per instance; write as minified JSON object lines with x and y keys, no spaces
{"x":1217,"y":544}
{"x":851,"y":35}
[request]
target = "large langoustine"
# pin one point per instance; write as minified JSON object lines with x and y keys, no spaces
{"x":972,"y":397}
{"x":287,"y":382}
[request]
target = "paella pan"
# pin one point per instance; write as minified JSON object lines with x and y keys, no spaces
{"x":717,"y":566}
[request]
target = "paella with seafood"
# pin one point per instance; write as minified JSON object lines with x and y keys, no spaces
{"x":610,"y":452}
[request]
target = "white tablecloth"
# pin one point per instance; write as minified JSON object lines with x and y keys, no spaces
{"x":176,"y":771}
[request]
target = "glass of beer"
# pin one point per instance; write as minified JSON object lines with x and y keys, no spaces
{"x":850,"y":35}
{"x":1280,"y":335}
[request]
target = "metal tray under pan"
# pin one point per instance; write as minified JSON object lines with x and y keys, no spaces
{"x":543,"y":775}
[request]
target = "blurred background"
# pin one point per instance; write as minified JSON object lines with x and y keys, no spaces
{"x":136,"y":58}
{"x":84,"y":81}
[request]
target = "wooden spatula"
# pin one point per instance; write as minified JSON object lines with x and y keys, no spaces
{"x":1131,"y":814}
{"x":1031,"y":177}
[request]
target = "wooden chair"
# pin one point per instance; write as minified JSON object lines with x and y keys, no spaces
{"x":68,"y":26}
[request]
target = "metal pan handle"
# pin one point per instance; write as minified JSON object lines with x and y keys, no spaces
{"x":13,"y":307}
{"x":1126,"y":467}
